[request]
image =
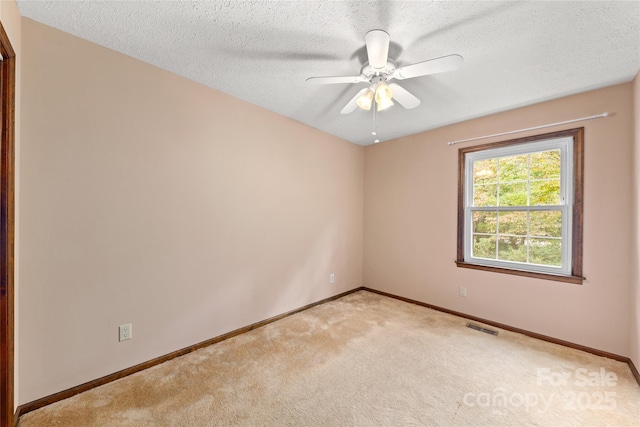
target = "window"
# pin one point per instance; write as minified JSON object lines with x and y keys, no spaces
{"x":520,"y":206}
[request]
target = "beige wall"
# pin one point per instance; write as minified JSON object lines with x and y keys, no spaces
{"x":152,"y":200}
{"x":12,"y":23}
{"x":634,"y":337}
{"x":410,"y":225}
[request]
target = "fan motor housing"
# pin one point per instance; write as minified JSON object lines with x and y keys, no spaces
{"x":377,"y":75}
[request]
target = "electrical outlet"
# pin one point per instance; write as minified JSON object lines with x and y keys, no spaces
{"x":463,"y":291}
{"x":125,"y":332}
{"x":332,"y":278}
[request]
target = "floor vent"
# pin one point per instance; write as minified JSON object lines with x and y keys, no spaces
{"x":481,"y":329}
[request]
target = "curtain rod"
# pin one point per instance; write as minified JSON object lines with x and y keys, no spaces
{"x":605,"y":114}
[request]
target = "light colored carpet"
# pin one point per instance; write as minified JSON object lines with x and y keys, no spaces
{"x":364,"y":360}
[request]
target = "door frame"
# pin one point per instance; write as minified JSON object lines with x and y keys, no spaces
{"x":7,"y":227}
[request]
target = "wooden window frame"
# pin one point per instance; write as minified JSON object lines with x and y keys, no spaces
{"x":577,"y":210}
{"x":7,"y":227}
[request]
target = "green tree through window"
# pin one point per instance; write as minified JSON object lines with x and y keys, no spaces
{"x":531,"y":179}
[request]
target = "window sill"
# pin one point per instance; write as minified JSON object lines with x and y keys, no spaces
{"x":558,"y":278}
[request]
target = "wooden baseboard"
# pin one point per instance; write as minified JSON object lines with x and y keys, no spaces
{"x":536,"y":335}
{"x":47,"y":400}
{"x":634,"y":370}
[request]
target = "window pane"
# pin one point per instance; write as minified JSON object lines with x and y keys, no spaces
{"x":514,"y":168}
{"x":484,"y":246}
{"x":512,"y":223}
{"x":545,"y":192}
{"x":485,"y":195}
{"x":512,"y":249}
{"x":484,"y":222}
{"x":485,"y":171}
{"x":545,"y":224}
{"x":513,"y":194}
{"x":545,"y":251}
{"x":545,"y":164}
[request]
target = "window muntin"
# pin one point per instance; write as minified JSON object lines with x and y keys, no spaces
{"x":518,"y":206}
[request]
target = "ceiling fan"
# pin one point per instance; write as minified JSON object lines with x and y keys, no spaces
{"x":380,"y":69}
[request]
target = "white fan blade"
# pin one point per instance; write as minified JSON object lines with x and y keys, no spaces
{"x":333,"y":80}
{"x":404,"y":97}
{"x":351,"y":105}
{"x":377,"y":42}
{"x":432,"y":66}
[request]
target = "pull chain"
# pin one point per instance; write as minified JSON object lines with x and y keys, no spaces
{"x":374,"y":132}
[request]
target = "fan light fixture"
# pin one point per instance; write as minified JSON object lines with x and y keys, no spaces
{"x":383,"y":95}
{"x":365,"y":100}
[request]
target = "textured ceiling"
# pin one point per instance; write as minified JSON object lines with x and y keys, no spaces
{"x":515,"y":52}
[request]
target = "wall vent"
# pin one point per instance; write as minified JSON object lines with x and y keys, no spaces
{"x":481,"y":329}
